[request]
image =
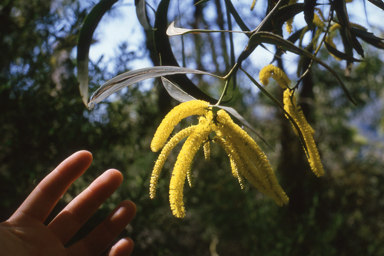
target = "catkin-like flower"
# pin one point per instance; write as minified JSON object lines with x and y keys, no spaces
{"x":276,"y":73}
{"x":258,"y":169}
{"x":288,"y":24}
{"x":297,"y":114}
{"x":207,"y":151}
{"x":189,"y":108}
{"x":183,"y":163}
{"x":317,"y":21}
{"x":234,"y":159}
{"x":163,"y":157}
{"x":253,"y":4}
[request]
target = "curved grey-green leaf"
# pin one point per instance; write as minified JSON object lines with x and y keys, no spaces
{"x":175,"y":91}
{"x":84,"y":43}
{"x":135,"y":76}
{"x":141,"y":13}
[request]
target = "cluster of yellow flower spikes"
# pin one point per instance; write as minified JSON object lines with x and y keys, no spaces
{"x":246,"y":158}
{"x":296,"y":113}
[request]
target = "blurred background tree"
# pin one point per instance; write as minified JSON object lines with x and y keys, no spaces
{"x":43,"y":120}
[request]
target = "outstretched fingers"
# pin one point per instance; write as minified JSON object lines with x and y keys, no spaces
{"x":123,"y":247}
{"x":44,"y":197}
{"x":103,"y":235}
{"x":79,"y":210}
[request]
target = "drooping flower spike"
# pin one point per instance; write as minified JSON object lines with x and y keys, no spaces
{"x":246,"y":158}
{"x":189,"y":108}
{"x":297,"y":114}
{"x":276,"y":73}
{"x":288,"y":24}
{"x":183,"y":165}
{"x":164,"y":155}
{"x":258,"y":170}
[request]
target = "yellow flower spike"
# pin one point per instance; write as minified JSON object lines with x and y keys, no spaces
{"x":163,"y":157}
{"x":317,"y":21}
{"x":183,"y":163}
{"x":189,"y":108}
{"x":190,"y":178}
{"x":234,"y":159}
{"x":288,"y":24}
{"x":307,"y":131}
{"x":276,"y":73}
{"x":253,"y":4}
{"x":254,"y":158}
{"x":255,"y":172}
{"x":207,"y":151}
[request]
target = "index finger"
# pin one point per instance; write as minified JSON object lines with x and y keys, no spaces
{"x":45,"y":196}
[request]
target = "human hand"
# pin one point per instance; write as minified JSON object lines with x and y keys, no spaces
{"x":25,"y":234}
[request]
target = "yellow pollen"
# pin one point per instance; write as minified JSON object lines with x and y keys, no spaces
{"x":189,"y":108}
{"x":276,"y":73}
{"x":163,"y":157}
{"x":297,"y":114}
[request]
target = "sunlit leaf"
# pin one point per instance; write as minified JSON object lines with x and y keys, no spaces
{"x":84,"y":43}
{"x":175,"y":31}
{"x":135,"y":76}
{"x":175,"y":91}
{"x":141,"y":12}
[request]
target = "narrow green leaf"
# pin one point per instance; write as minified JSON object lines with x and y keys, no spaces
{"x":141,"y":13}
{"x":287,"y":12}
{"x":135,"y":76}
{"x":339,"y":54}
{"x":309,"y":12}
{"x":342,"y":16}
{"x":369,"y":37}
{"x":84,"y":43}
{"x":235,"y":15}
